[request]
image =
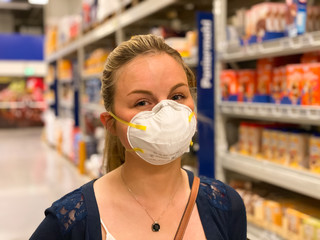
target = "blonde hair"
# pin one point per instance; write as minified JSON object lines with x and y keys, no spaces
{"x":114,"y":152}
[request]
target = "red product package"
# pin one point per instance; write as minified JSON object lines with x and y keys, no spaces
{"x":247,"y":85}
{"x":229,"y":84}
{"x":278,"y":85}
{"x":264,"y":75}
{"x":311,"y":84}
{"x":294,"y":75}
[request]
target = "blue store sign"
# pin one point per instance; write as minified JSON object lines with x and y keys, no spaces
{"x":205,"y":92}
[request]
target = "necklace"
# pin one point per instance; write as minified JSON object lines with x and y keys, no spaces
{"x":155,"y":227}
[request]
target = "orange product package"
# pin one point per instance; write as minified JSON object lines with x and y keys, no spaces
{"x":247,"y":85}
{"x":311,"y":84}
{"x":278,"y":84}
{"x":229,"y":84}
{"x":294,"y":75}
{"x":264,"y":75}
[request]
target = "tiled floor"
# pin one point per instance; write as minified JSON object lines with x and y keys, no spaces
{"x":32,"y":176}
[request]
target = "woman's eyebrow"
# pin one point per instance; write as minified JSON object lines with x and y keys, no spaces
{"x":177,"y":86}
{"x":140,"y":92}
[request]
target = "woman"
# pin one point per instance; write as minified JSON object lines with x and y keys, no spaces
{"x":149,"y":123}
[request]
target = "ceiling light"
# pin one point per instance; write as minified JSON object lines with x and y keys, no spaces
{"x":38,"y":2}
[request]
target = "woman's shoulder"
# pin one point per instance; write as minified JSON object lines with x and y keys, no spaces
{"x":219,"y":194}
{"x":71,"y":208}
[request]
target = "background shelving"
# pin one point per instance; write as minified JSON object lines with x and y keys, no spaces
{"x":229,"y":164}
{"x":274,"y":112}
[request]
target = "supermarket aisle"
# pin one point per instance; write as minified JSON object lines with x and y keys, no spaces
{"x":32,"y":176}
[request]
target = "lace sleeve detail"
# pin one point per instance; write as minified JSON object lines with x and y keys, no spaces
{"x":216,"y":192}
{"x":69,"y":210}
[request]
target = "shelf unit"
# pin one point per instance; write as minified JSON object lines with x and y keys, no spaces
{"x":121,"y":20}
{"x":257,"y":233}
{"x":299,"y":181}
{"x":274,"y":112}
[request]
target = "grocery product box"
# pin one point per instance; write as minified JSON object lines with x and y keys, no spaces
{"x":311,"y":84}
{"x":264,"y":80}
{"x":311,"y":228}
{"x":296,"y":17}
{"x":282,"y":153}
{"x":294,"y":84}
{"x":254,"y":139}
{"x":247,"y":85}
{"x":278,"y":85}
{"x":314,"y":153}
{"x":243,"y":143}
{"x":293,"y":223}
{"x":298,"y":149}
{"x":229,"y":85}
{"x":266,"y":143}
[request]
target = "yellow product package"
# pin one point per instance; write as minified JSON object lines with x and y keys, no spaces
{"x":311,"y":228}
{"x":314,"y":153}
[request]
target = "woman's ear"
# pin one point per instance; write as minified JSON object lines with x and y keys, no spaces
{"x":108,"y":121}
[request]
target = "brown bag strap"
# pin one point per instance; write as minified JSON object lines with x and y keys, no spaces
{"x":188,"y":210}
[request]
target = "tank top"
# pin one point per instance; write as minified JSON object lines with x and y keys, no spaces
{"x":108,"y":235}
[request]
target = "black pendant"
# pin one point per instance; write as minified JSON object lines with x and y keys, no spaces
{"x":155,"y":227}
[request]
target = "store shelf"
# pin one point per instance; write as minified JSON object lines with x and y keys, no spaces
{"x":23,"y":68}
{"x":274,"y":112}
{"x":272,"y":48}
{"x":15,"y":105}
{"x":300,"y":181}
{"x":126,"y":18}
{"x":257,"y":233}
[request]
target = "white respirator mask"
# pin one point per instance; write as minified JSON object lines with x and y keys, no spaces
{"x":163,"y":134}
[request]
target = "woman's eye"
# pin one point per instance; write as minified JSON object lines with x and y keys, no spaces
{"x":141,"y":103}
{"x":178,"y":97}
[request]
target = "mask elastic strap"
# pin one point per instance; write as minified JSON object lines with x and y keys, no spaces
{"x":137,"y":126}
{"x":135,"y":150}
{"x":191,"y":116}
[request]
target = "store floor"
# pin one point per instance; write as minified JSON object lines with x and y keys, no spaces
{"x":32,"y":176}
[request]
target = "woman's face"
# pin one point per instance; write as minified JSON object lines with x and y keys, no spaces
{"x":143,"y":83}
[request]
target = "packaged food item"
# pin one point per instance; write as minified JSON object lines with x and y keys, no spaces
{"x":283,"y":147}
{"x":311,"y":228}
{"x":259,"y":211}
{"x":264,"y":79}
{"x":243,"y":142}
{"x":229,"y":85}
{"x":254,"y":139}
{"x":64,"y":70}
{"x":247,"y":85}
{"x":298,"y":149}
{"x":278,"y":84}
{"x":311,"y":84}
{"x":273,"y":215}
{"x":294,"y":77}
{"x":314,"y":153}
{"x":294,"y":226}
{"x":296,"y":17}
{"x":266,"y":143}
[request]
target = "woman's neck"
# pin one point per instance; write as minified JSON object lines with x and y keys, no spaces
{"x":150,"y":181}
